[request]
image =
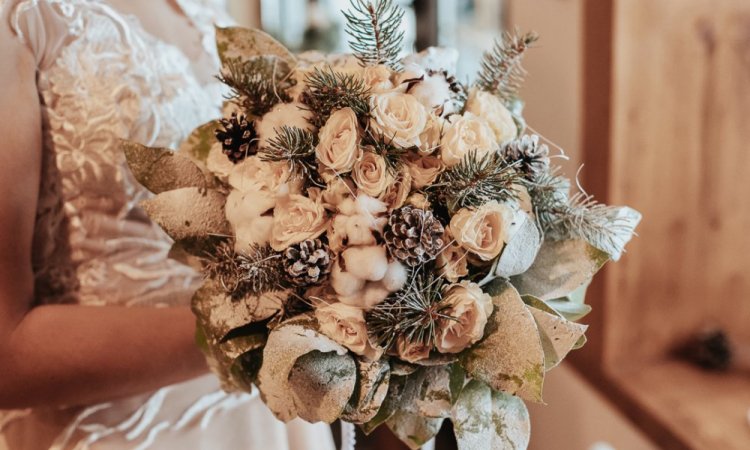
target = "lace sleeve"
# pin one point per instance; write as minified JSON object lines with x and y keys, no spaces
{"x":45,"y":26}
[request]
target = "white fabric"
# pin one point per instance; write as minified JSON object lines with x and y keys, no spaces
{"x":102,"y":77}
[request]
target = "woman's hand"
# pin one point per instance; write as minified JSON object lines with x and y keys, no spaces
{"x":65,"y":354}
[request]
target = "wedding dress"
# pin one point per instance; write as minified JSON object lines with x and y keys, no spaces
{"x":101,"y":77}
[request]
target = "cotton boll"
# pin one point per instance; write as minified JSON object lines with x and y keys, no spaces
{"x":344,"y":283}
{"x":374,"y":294}
{"x":370,"y":206}
{"x":395,"y":277}
{"x":434,"y":58}
{"x":358,"y":231}
{"x":366,"y":263}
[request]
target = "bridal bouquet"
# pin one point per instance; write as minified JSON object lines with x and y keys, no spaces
{"x":380,"y":242}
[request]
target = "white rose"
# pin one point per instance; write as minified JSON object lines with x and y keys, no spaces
{"x":338,"y":144}
{"x":346,"y":325}
{"x":412,"y":351}
{"x":492,"y":109}
{"x":371,"y":175}
{"x":470,"y":309}
{"x":295,"y":219}
{"x":432,"y":135}
{"x":482,"y":231}
{"x":377,"y":78}
{"x":398,"y":117}
{"x":283,"y":114}
{"x":424,"y":170}
{"x":464,"y":134}
{"x":452,"y":262}
{"x":255,"y":175}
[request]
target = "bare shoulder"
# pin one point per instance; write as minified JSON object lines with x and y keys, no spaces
{"x":17,"y":60}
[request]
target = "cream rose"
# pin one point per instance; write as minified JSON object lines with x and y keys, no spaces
{"x":452,"y":262}
{"x":338,"y":190}
{"x":470,"y":308}
{"x":418,"y":200}
{"x":295,"y":219}
{"x":395,"y":195}
{"x":377,"y":78}
{"x":398,"y":117}
{"x":371,"y":175}
{"x":464,"y":134}
{"x":412,"y":351}
{"x":492,"y":109}
{"x":482,"y":231}
{"x":424,"y":170}
{"x":432,"y":134}
{"x":283,"y":114}
{"x":346,"y":325}
{"x":338,"y":145}
{"x":255,"y":175}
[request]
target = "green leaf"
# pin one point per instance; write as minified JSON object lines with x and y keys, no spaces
{"x":558,"y":335}
{"x":189,"y":213}
{"x":198,"y":145}
{"x":522,"y":248}
{"x":315,"y":388}
{"x":246,"y":43}
{"x":161,"y":169}
{"x":372,"y":386}
{"x":510,"y":358}
{"x":560,"y":268}
{"x":483,"y":419}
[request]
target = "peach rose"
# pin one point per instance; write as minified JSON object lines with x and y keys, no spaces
{"x":371,"y":175}
{"x":346,"y":325}
{"x":412,"y":351}
{"x":492,"y":109}
{"x":470,"y":308}
{"x":452,"y":262}
{"x":482,"y":231}
{"x":424,"y":170}
{"x":295,"y":219}
{"x":338,"y":144}
{"x":398,"y":117}
{"x":464,"y":134}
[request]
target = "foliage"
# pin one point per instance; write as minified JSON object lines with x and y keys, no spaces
{"x":375,"y":31}
{"x":501,"y":71}
{"x":257,"y":84}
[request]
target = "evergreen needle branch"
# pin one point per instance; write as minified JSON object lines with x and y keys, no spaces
{"x":374,"y":29}
{"x":257,"y":84}
{"x":328,"y":90}
{"x":501,"y":72}
{"x":296,"y":147}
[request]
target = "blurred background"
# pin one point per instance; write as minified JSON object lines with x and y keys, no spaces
{"x":653,"y":98}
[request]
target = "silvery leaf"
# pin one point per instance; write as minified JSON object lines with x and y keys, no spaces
{"x":327,"y":376}
{"x":510,"y":358}
{"x":245,"y":43}
{"x":483,"y":419}
{"x":434,"y":399}
{"x":522,"y":248}
{"x":407,"y":423}
{"x":188,"y":213}
{"x":391,"y":402}
{"x":558,"y":335}
{"x":560,"y":268}
{"x":623,"y":221}
{"x":161,"y":169}
{"x":372,"y":387}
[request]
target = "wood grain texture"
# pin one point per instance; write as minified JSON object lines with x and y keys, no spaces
{"x":680,"y":153}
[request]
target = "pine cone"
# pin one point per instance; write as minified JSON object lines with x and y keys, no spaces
{"x":238,"y":137}
{"x":414,"y":236}
{"x":308,"y":262}
{"x":533,"y":156}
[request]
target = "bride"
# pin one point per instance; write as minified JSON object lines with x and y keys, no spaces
{"x":96,"y":336}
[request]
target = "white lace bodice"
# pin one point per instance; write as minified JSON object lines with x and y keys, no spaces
{"x":102,"y":77}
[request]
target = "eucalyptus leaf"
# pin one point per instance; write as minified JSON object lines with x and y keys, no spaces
{"x":390,"y":404}
{"x":407,"y":423}
{"x":483,"y":419}
{"x":558,"y":335}
{"x":372,"y":386}
{"x":161,"y":169}
{"x":189,"y":213}
{"x":329,"y":379}
{"x":560,"y":268}
{"x":570,"y":310}
{"x":245,"y":43}
{"x":198,"y":144}
{"x":623,"y":221}
{"x":510,"y":358}
{"x":522,"y":248}
{"x":231,"y":361}
{"x":434,"y":399}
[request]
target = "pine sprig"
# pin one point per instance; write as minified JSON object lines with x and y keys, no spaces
{"x":412,"y":313}
{"x":253,"y":272}
{"x":501,"y":71}
{"x":328,"y":90}
{"x":296,"y":147}
{"x":257,"y":84}
{"x":578,"y":216}
{"x":374,"y":28}
{"x":477,"y":180}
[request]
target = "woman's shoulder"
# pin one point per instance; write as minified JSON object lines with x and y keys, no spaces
{"x":13,"y":49}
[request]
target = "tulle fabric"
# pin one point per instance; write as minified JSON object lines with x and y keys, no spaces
{"x":101,"y":78}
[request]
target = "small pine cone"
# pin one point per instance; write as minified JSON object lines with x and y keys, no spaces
{"x":533,"y":156}
{"x":238,"y":138}
{"x":414,"y":236}
{"x":308,"y":262}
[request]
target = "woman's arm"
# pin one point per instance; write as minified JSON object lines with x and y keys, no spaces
{"x":65,"y":354}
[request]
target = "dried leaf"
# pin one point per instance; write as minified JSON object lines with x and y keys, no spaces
{"x":372,"y":387}
{"x":198,"y":145}
{"x":522,"y":248}
{"x":510,"y":358}
{"x":407,"y":423}
{"x":390,"y":404}
{"x":560,"y":268}
{"x":434,"y":398}
{"x":490,"y":420}
{"x":161,"y":169}
{"x":231,"y":361}
{"x":329,"y":379}
{"x":245,"y":43}
{"x":558,"y":335}
{"x":189,"y":213}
